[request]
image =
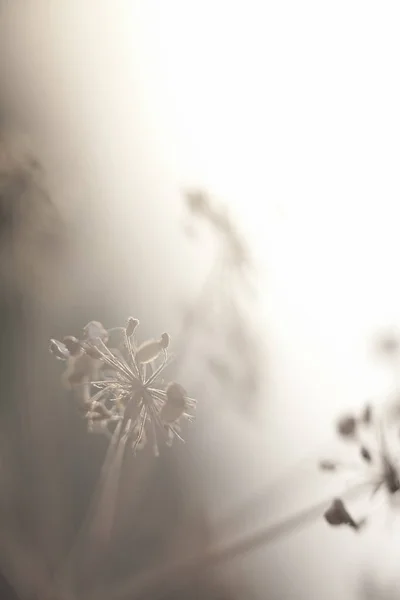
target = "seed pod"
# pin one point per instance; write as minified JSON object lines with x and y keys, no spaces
{"x":58,"y":350}
{"x":175,"y":404}
{"x":148,"y":351}
{"x":72,"y":344}
{"x":131,"y":326}
{"x":94,"y":330}
{"x":347,"y":426}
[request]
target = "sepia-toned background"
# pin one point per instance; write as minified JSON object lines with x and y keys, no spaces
{"x":287,"y":113}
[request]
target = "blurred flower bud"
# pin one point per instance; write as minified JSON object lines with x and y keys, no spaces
{"x":327,"y":465}
{"x":131,"y":326}
{"x":388,"y":345}
{"x":94,"y":330}
{"x":164,"y":340}
{"x":347,"y":426}
{"x":365,"y":454}
{"x":337,"y":514}
{"x":197,"y":201}
{"x":72,"y":344}
{"x":58,"y":349}
{"x":366,"y":415}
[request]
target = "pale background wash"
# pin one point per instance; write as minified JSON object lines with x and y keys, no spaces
{"x":288,"y":112}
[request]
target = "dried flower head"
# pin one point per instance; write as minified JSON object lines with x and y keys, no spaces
{"x":377,"y":468}
{"x":120,"y":387}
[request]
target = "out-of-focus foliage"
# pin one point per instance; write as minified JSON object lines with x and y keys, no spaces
{"x":220,"y":324}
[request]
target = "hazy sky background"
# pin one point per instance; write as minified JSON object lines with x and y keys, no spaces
{"x":289,"y":112}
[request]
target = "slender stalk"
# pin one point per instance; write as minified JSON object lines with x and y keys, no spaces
{"x":175,"y":575}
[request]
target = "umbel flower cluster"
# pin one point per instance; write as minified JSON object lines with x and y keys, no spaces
{"x":119,"y":386}
{"x":377,"y":466}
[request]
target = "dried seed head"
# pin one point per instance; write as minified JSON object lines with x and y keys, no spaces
{"x":164,"y":340}
{"x":148,"y":351}
{"x":366,"y":454}
{"x":117,"y":394}
{"x":175,"y":405}
{"x":94,"y":330}
{"x":131,"y":326}
{"x":72,"y":344}
{"x":327,"y":465}
{"x":58,"y":350}
{"x":347,"y":426}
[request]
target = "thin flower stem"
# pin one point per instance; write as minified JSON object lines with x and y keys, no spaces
{"x":175,"y":575}
{"x":65,"y":570}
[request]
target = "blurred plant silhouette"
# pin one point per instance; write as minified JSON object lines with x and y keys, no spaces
{"x":375,"y":434}
{"x":76,"y":514}
{"x":223,"y":310}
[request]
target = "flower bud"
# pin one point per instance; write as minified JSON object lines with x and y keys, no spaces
{"x":337,"y":514}
{"x":94,"y":330}
{"x":164,"y":341}
{"x":131,"y":326}
{"x":58,"y":350}
{"x":347,"y":426}
{"x":175,"y":404}
{"x":72,"y":344}
{"x":327,"y":465}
